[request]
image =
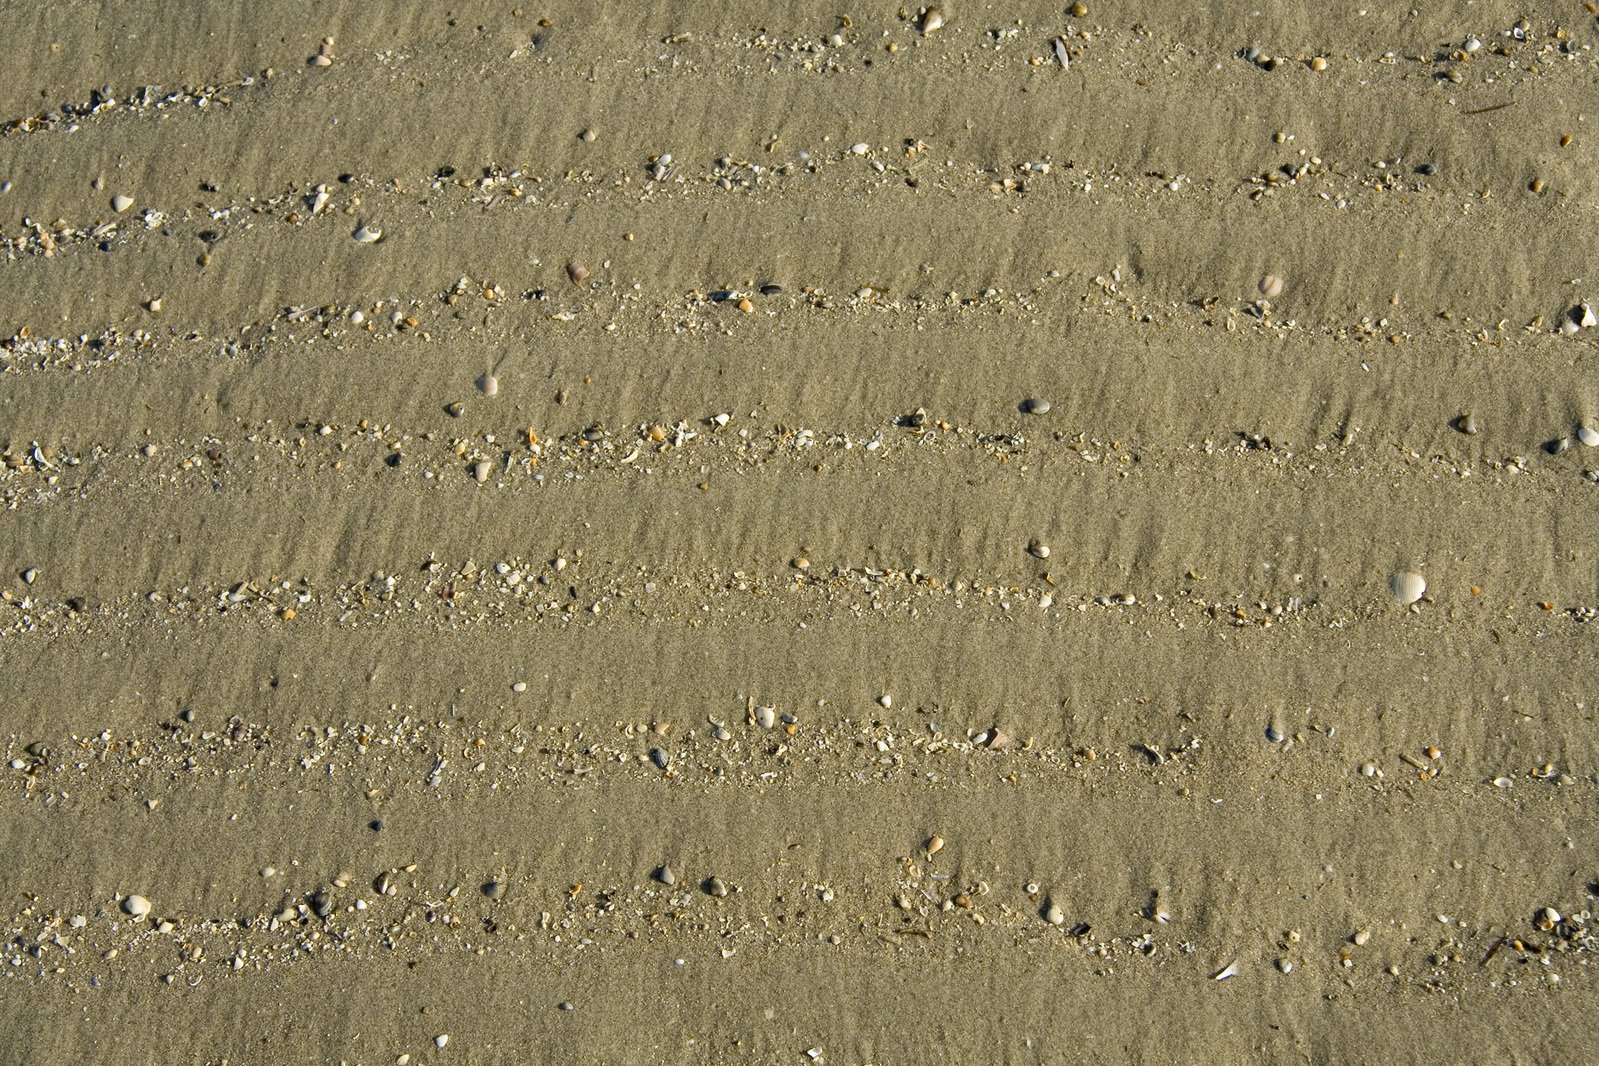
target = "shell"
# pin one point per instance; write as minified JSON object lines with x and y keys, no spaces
{"x":1407,"y":587}
{"x":577,"y":272}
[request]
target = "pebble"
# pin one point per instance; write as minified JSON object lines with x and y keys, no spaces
{"x":30,"y":575}
{"x":665,"y":876}
{"x":1467,"y":424}
{"x":1589,"y":436}
{"x":481,"y":470}
{"x":1407,"y":587}
{"x":1284,"y":966}
{"x":885,"y":701}
{"x":1038,"y":549}
{"x":932,"y":19}
{"x":800,"y":563}
{"x":1558,"y":445}
{"x":1035,"y":406}
{"x":136,"y":907}
{"x":1361,"y":938}
{"x":440,"y":1040}
{"x":1054,"y":915}
{"x":577,"y":272}
{"x":121,"y":202}
{"x":715,"y":886}
{"x":520,"y":686}
{"x":564,"y":1005}
{"x":1584,"y":316}
{"x":489,"y":385}
{"x":368,"y":234}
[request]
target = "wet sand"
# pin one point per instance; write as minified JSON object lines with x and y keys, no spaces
{"x":391,"y":691}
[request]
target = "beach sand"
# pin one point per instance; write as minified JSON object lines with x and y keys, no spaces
{"x":932,"y":505}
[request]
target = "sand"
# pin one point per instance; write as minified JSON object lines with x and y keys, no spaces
{"x":392,"y":697}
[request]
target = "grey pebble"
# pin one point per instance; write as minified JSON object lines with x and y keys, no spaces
{"x":1467,"y":423}
{"x":1035,"y":407}
{"x":564,"y":1005}
{"x":715,"y":886}
{"x":665,"y":876}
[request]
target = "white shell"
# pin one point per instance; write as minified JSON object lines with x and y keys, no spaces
{"x":121,"y":202}
{"x":489,"y":384}
{"x":136,"y":907}
{"x":1407,"y":587}
{"x":1588,"y":435}
{"x":368,"y":234}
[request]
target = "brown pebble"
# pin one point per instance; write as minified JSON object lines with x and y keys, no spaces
{"x":745,"y":305}
{"x":1079,"y":10}
{"x":577,"y":272}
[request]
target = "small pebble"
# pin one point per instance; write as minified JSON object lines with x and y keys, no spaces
{"x":481,"y":470}
{"x":1361,"y":938}
{"x":587,"y":136}
{"x":368,"y":234}
{"x":1407,"y":587}
{"x":121,"y":202}
{"x":1284,"y":966}
{"x":1038,"y":549}
{"x":577,"y":272}
{"x":1585,"y":316}
{"x":715,"y":886}
{"x":1467,"y":424}
{"x":931,"y":20}
{"x":1558,"y":445}
{"x":136,"y":907}
{"x":440,"y":1040}
{"x":1035,"y":406}
{"x":1054,"y":915}
{"x":520,"y":686}
{"x":30,"y":575}
{"x":885,"y":701}
{"x":564,"y":1005}
{"x":488,"y":384}
{"x":665,"y":876}
{"x":1589,"y":436}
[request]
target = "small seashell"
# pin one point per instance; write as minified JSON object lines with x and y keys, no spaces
{"x":715,"y":886}
{"x":1035,"y":407}
{"x":488,"y":384}
{"x":481,"y":470}
{"x":368,"y":234}
{"x":577,"y":272}
{"x":1271,"y":286}
{"x":121,"y":202}
{"x":935,"y":844}
{"x":932,"y":19}
{"x":1053,"y":914}
{"x":1589,"y":436}
{"x":1038,"y":549}
{"x":1230,"y":970}
{"x":885,"y":701}
{"x":136,"y":907}
{"x":1407,"y":587}
{"x":1584,"y":316}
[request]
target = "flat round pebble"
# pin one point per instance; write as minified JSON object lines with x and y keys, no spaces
{"x":1407,"y":587}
